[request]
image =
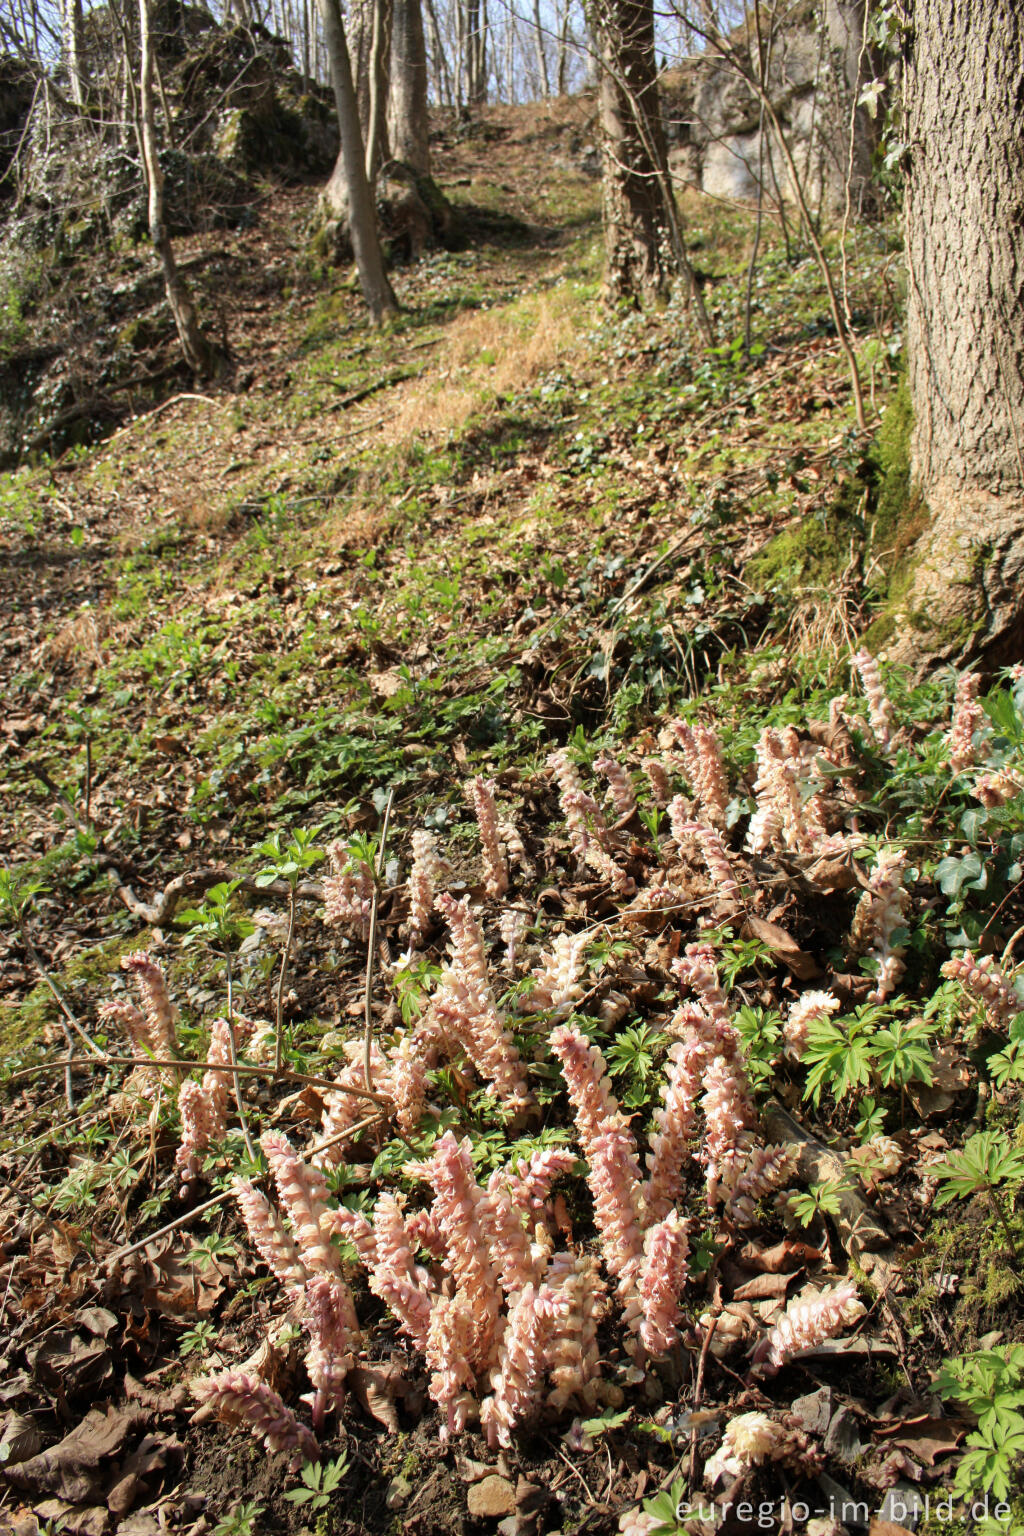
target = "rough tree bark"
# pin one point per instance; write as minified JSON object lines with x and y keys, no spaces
{"x":348,"y":193}
{"x":638,"y":221}
{"x":964,"y":209}
{"x":408,"y":119}
{"x":201,"y":357}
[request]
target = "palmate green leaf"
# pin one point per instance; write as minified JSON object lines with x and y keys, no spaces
{"x":987,"y":1160}
{"x":903,"y":1053}
{"x":838,"y":1060}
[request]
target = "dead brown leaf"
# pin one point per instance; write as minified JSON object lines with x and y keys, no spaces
{"x":783,"y":946}
{"x":787,"y":1255}
{"x":926,"y":1438}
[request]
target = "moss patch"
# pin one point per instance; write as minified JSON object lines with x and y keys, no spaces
{"x":810,"y":554}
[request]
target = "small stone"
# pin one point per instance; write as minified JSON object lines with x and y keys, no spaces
{"x":492,"y":1498}
{"x":398,"y":1493}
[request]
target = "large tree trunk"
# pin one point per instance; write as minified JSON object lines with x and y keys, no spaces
{"x":638,"y":221}
{"x":408,"y":119}
{"x":965,"y":330}
{"x":348,"y":192}
{"x":201,"y":357}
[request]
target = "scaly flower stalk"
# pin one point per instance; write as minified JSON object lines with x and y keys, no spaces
{"x":556,"y":980}
{"x":341,"y":1110}
{"x":729,"y":1114}
{"x":986,"y":983}
{"x":620,"y":790}
{"x":660,"y":1284}
{"x":424,"y":877}
{"x":614,"y":1180}
{"x":968,"y":717}
{"x":583,"y":817}
{"x":511,"y":926}
{"x":767,"y":1168}
{"x":696,"y":969}
{"x":767,"y":824}
{"x":424,"y":1232}
{"x":462,"y":1212}
{"x":156,"y":1004}
{"x":479,"y":1028}
{"x":515,"y":848}
{"x":408,"y":1084}
{"x":396,"y":1278}
{"x":995,"y":789}
{"x":807,"y":1009}
{"x":657,"y":777}
{"x":522,"y":1361}
{"x":348,"y":892}
{"x":879,"y":913}
{"x":880,"y":711}
{"x":328,"y":1317}
{"x":123,"y":1015}
{"x":807,"y":1323}
{"x":517,"y":1262}
{"x":573,"y":1353}
{"x":356,"y":1229}
{"x":586,"y":1076}
{"x":242,"y":1398}
{"x":748,"y":1440}
{"x":216,"y":1085}
{"x":469,"y":952}
{"x":675,"y":1120}
{"x":198,"y":1129}
{"x":480,"y":793}
{"x":451,"y":1351}
{"x":712,"y":847}
{"x":530,"y":1180}
{"x":274,"y":1244}
{"x":702,"y":760}
{"x":602,"y":863}
{"x":303,"y":1195}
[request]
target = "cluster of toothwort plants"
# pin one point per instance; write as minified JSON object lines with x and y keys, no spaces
{"x":477,"y":1270}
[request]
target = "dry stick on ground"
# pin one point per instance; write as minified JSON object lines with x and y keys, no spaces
{"x":370,"y":946}
{"x":207,"y":1066}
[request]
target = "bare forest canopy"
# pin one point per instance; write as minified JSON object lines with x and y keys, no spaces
{"x":511,"y":768}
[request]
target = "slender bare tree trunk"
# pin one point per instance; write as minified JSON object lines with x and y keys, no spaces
{"x":542,"y":58}
{"x":72,"y":39}
{"x":409,"y":119}
{"x":377,"y":150}
{"x":201,"y":357}
{"x":475,"y":57}
{"x":964,"y":211}
{"x":349,"y":187}
{"x":439,"y":58}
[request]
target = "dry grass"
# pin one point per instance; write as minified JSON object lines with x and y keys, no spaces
{"x":76,"y":644}
{"x":487,"y":353}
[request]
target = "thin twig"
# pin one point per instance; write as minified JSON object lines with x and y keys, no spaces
{"x":66,"y":1013}
{"x":209,"y":1066}
{"x":235,"y":1079}
{"x":7,"y":1292}
{"x":279,"y":1006}
{"x":208,"y":1205}
{"x":370,"y":946}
